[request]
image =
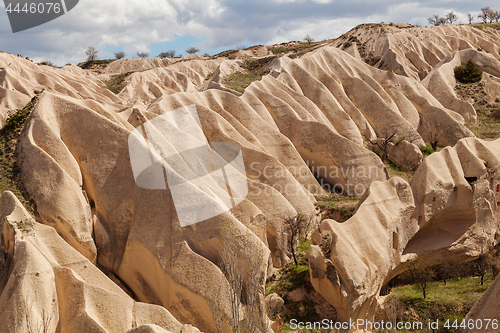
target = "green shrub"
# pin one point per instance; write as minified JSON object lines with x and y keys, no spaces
{"x":427,"y":149}
{"x":372,"y":59}
{"x":468,"y":74}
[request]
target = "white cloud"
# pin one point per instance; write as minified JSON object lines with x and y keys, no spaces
{"x":135,"y":24}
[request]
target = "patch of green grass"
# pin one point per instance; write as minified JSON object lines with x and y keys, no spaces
{"x":394,"y":171}
{"x":451,"y":301}
{"x":239,"y":81}
{"x":481,"y":26}
{"x":291,"y":277}
{"x":487,"y":126}
{"x":306,"y":311}
{"x":304,"y":246}
{"x":209,"y":76}
{"x":17,"y":120}
{"x":294,"y":50}
{"x":336,"y":201}
{"x":427,"y":149}
{"x":225,"y":53}
{"x":95,"y":65}
{"x":25,"y":226}
{"x":255,"y":69}
{"x":337,"y":207}
{"x":9,"y":169}
{"x":117,"y":82}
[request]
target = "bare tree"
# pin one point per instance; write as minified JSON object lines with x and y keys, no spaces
{"x":309,"y":39}
{"x":492,"y":15}
{"x":256,"y":315}
{"x":232,"y":268}
{"x":497,"y":15}
{"x":470,"y":17}
{"x":483,"y":17}
{"x":493,"y":259}
{"x":446,"y":270}
{"x":42,"y":325}
{"x":119,"y":55}
{"x":242,"y":281}
{"x":487,"y":14}
{"x":451,"y":17}
{"x":383,"y":144}
{"x":215,"y":307}
{"x":435,"y":20}
{"x":420,"y":271}
{"x":91,"y":53}
{"x":142,"y":55}
{"x":481,"y":266}
{"x":168,"y":54}
{"x":293,"y":226}
{"x":192,"y":50}
{"x":48,"y":63}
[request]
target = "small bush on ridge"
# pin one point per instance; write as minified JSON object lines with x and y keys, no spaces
{"x":468,"y":74}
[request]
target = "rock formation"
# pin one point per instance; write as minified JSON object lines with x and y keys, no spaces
{"x":427,"y":54}
{"x":450,"y":211}
{"x":301,"y":130}
{"x":349,"y":261}
{"x":48,"y":284}
{"x":486,"y":311}
{"x":456,"y":197}
{"x":414,"y":51}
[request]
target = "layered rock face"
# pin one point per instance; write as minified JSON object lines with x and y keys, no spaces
{"x":451,"y":211}
{"x":457,"y":196}
{"x":135,"y":231}
{"x":350,"y":261}
{"x":415,"y":51}
{"x":428,"y":55}
{"x":20,"y":79}
{"x":298,"y":131}
{"x":47,"y":285}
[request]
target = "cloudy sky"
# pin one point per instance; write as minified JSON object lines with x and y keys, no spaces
{"x":211,"y":25}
